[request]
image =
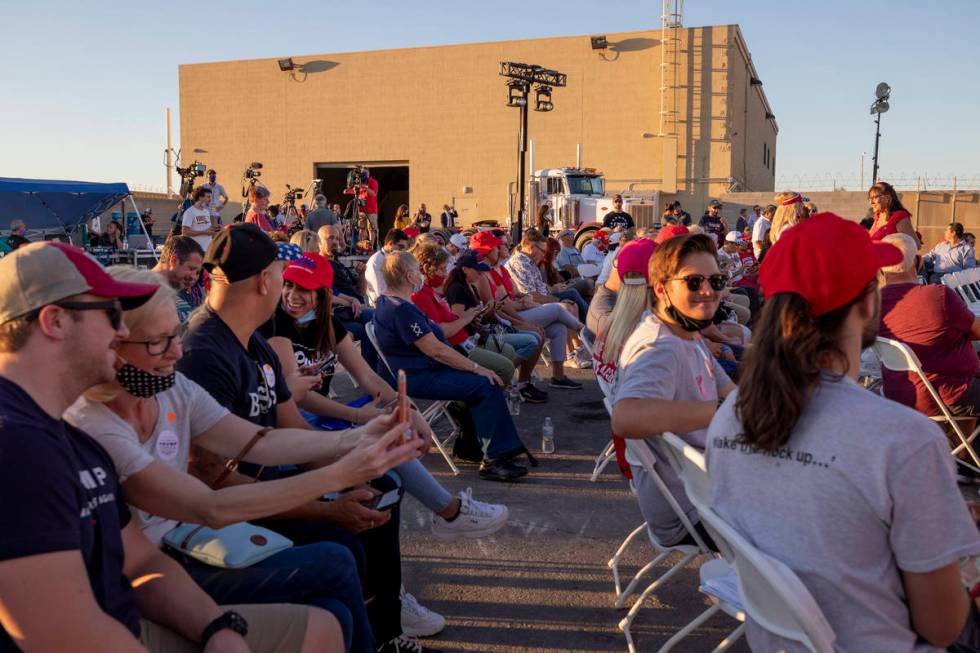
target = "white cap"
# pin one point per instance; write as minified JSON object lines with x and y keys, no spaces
{"x":459,"y":240}
{"x":733,"y":237}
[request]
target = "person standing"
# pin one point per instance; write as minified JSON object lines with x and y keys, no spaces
{"x":423,"y":219}
{"x":617,"y":218}
{"x":448,"y":217}
{"x":712,"y":223}
{"x":760,"y":231}
{"x":320,"y":216}
{"x":854,"y":493}
{"x":395,"y":239}
{"x":218,"y":196}
{"x":369,"y":202}
{"x":196,"y":221}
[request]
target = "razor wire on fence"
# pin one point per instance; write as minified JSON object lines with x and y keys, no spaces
{"x":901,"y":181}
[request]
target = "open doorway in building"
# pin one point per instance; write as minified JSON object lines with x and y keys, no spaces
{"x":392,"y":179}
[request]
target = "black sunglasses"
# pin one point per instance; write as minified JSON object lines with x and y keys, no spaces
{"x":694,"y":281}
{"x":112,"y":308}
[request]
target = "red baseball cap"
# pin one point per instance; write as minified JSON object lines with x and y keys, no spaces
{"x":484,"y":241}
{"x":670,"y":231}
{"x":311,"y":272}
{"x":825,"y":259}
{"x":602,"y":235}
{"x":635,"y":257}
{"x":411,"y":232}
{"x":43,"y":273}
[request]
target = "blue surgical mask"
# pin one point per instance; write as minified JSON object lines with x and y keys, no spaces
{"x":309,"y":317}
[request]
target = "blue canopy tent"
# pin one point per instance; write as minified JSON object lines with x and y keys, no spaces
{"x":49,"y":204}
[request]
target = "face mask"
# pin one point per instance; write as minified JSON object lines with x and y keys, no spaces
{"x":436,"y":280}
{"x":309,"y":317}
{"x":684,"y":321}
{"x":143,"y":384}
{"x":416,"y":287}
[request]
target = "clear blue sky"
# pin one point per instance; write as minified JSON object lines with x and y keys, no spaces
{"x":86,"y":83}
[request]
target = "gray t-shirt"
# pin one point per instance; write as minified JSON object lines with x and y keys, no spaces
{"x":656,"y":364}
{"x":603,"y":301}
{"x":318,"y":218}
{"x":186,"y":410}
{"x":864,"y":488}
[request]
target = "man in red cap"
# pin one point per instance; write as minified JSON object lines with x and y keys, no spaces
{"x":69,"y":546}
{"x":853,"y":492}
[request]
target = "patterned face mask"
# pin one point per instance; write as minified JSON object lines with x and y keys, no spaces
{"x":143,"y":384}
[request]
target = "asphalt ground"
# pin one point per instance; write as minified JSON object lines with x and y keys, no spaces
{"x":542,"y":583}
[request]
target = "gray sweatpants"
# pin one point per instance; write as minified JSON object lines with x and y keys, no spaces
{"x":556,"y":322}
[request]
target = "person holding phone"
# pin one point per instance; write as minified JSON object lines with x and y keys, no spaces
{"x":411,"y":341}
{"x":147,"y":418}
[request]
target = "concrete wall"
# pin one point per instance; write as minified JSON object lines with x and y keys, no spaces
{"x":931,"y":210}
{"x":442,"y":111}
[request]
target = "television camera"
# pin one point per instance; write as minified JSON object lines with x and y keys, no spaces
{"x":187,"y":176}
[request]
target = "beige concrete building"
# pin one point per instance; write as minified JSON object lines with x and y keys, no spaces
{"x":434,"y":125}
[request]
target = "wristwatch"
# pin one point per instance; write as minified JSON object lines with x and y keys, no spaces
{"x":230,"y":620}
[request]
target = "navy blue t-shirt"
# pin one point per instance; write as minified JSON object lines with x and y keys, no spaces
{"x":398,"y":325}
{"x":61,"y":493}
{"x":248,"y":382}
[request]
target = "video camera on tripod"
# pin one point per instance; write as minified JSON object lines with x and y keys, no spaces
{"x":188,"y":175}
{"x":357,"y":177}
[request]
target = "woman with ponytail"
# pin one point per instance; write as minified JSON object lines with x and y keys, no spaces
{"x":855,"y":493}
{"x":667,"y":379}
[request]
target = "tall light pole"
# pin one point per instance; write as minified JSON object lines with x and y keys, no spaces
{"x":522,"y":76}
{"x":863,"y":154}
{"x":878,"y":107}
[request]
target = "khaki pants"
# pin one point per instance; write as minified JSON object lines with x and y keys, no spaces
{"x":502,"y":362}
{"x":272,"y":628}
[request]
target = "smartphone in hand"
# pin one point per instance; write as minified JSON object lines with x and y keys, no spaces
{"x":403,"y":406}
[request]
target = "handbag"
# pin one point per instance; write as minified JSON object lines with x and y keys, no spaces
{"x":233,"y":547}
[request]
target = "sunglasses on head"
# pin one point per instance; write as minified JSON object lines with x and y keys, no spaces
{"x":694,"y":281}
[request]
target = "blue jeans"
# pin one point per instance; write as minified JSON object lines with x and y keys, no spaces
{"x":524,"y":343}
{"x":484,"y":400}
{"x":573,"y":295}
{"x":323,"y":574}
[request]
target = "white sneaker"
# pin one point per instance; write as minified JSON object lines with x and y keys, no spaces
{"x":476,"y":519}
{"x":417,"y":620}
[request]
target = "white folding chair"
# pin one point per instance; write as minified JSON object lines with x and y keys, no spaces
{"x":608,"y":453}
{"x":772,"y":594}
{"x":768,"y":590}
{"x":645,"y":456}
{"x":898,"y":357}
{"x":966,"y":284}
{"x":436,"y":410}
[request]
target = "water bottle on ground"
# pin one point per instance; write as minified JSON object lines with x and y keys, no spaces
{"x":514,"y":400}
{"x":548,"y":436}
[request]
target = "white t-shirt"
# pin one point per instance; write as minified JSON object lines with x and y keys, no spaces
{"x":217,"y":192}
{"x":656,"y":364}
{"x":759,"y":230}
{"x":374,"y":280}
{"x":591,"y":254}
{"x":186,"y":410}
{"x":863,"y":489}
{"x":198,"y":220}
{"x":607,"y":264}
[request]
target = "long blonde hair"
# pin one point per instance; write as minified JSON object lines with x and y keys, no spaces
{"x":135,"y":318}
{"x":631,"y":301}
{"x":789,"y":211}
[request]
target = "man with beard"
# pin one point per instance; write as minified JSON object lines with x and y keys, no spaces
{"x":69,"y":547}
{"x":180,"y":264}
{"x":802,"y":449}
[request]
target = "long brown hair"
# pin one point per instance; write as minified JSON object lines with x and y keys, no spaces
{"x":790,"y":351}
{"x":547,"y":265}
{"x":894,"y":204}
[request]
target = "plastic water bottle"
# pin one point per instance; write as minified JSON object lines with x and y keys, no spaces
{"x":548,"y":436}
{"x":514,"y":399}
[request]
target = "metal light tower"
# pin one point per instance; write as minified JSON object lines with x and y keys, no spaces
{"x":878,"y":107}
{"x":521,"y":77}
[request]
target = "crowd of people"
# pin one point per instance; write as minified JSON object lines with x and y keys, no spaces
{"x":192,"y":483}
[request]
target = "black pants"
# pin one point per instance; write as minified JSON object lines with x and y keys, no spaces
{"x":378,"y":556}
{"x":969,"y":404}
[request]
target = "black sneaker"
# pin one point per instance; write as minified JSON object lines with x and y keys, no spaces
{"x":565,"y":384}
{"x":403,"y":644}
{"x":532,"y":395}
{"x":501,"y":469}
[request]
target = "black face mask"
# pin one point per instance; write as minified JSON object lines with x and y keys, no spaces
{"x":684,"y":321}
{"x":143,"y":384}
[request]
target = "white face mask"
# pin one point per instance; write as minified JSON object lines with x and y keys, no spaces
{"x":309,"y":317}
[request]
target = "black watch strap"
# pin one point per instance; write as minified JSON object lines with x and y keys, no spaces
{"x":230,"y":620}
